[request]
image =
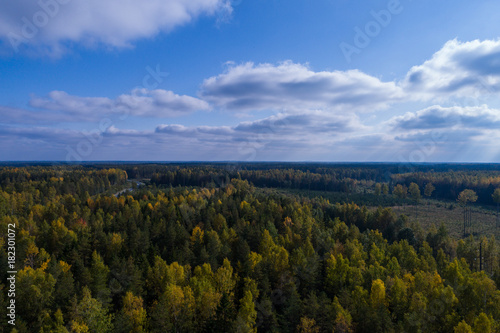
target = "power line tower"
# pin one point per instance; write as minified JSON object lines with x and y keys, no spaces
{"x":481,"y":255}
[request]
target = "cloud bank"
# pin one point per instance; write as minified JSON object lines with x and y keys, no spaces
{"x":140,"y":102}
{"x":291,"y":86}
{"x":437,"y":117}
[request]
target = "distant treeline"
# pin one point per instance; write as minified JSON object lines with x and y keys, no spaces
{"x":449,"y":184}
{"x":448,"y":180}
{"x":350,"y":178}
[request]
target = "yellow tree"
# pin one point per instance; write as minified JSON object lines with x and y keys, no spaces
{"x":247,"y":315}
{"x":34,"y":294}
{"x":224,"y":279}
{"x":175,"y":310}
{"x":483,"y":324}
{"x":379,"y":315}
{"x":463,"y":327}
{"x":133,"y":314}
{"x":343,"y":319}
{"x":307,"y":325}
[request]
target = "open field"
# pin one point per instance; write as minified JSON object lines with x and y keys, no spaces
{"x":434,"y":213}
{"x":429,"y":212}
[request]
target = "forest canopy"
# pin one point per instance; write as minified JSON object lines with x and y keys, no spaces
{"x":238,"y":248}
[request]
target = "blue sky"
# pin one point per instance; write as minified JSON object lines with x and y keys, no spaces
{"x":322,"y":80}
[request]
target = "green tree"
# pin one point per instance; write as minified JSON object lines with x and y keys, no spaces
{"x":429,"y":189}
{"x":415,"y":195}
{"x":89,"y":315}
{"x":34,"y":294}
{"x":343,"y":319}
{"x":55,"y":325}
{"x":224,"y":316}
{"x":247,"y":315}
{"x":339,"y":274}
{"x":385,"y":189}
{"x":483,"y":324}
{"x":100,"y":278}
{"x":205,"y":293}
{"x":400,"y":192}
{"x":64,"y":289}
{"x":3,"y":305}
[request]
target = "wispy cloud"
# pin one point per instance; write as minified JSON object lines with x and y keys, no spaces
{"x":282,"y":125}
{"x":140,"y":102}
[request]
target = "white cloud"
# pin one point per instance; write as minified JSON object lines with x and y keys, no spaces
{"x":140,"y":102}
{"x":469,"y":69}
{"x":283,"y":126}
{"x":456,"y":117}
{"x":290,"y":86}
{"x":50,"y":24}
{"x":10,"y":115}
{"x":62,"y":101}
{"x":38,"y":133}
{"x":452,"y":134}
{"x":317,"y":119}
{"x":114,"y":131}
{"x":458,"y":70}
{"x":282,"y":136}
{"x":181,"y":130}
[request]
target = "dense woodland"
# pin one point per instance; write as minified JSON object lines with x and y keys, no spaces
{"x":217,"y":248}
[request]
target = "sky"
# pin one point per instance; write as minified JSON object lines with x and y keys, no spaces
{"x":250,"y":80}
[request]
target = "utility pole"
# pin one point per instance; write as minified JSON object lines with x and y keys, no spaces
{"x":481,"y":255}
{"x":464,"y":223}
